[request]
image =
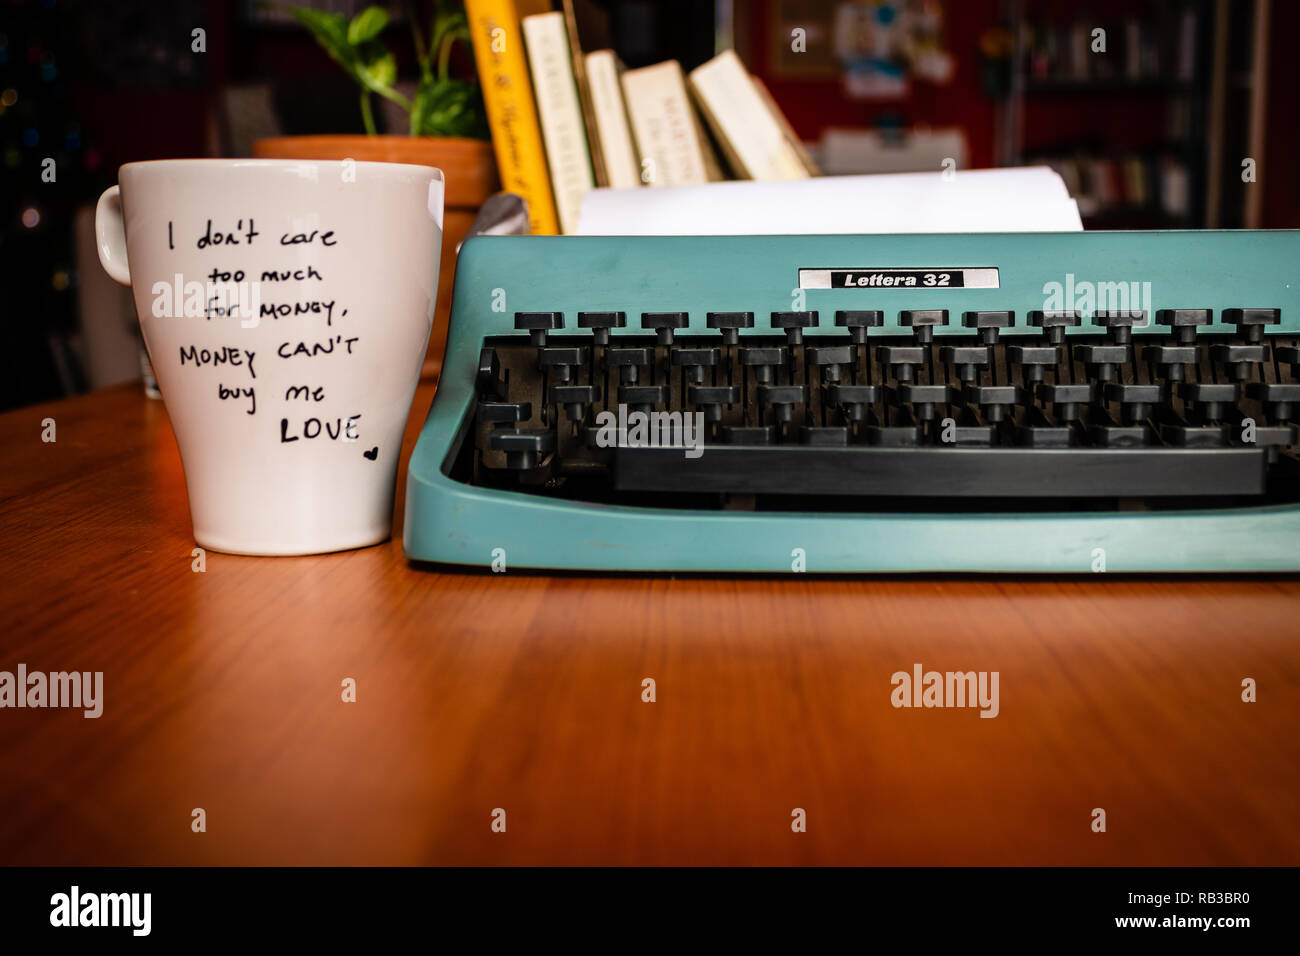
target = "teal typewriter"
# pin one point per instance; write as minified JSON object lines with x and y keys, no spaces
{"x":1076,"y":402}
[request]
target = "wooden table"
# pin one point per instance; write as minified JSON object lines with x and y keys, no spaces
{"x":524,"y":692}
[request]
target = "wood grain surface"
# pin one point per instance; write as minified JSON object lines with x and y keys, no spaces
{"x":523,"y":692}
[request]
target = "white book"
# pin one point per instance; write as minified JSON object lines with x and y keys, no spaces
{"x":673,"y":147}
{"x":754,"y":142}
{"x":1175,"y":188}
{"x":560,"y":113}
{"x":621,"y":163}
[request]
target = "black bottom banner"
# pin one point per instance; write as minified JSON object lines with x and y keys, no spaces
{"x":133,"y":906}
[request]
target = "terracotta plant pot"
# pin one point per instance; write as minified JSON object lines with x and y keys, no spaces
{"x":467,"y":167}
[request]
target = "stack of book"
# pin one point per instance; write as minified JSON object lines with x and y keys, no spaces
{"x":1157,"y":183}
{"x":1126,"y":51}
{"x":565,"y":122}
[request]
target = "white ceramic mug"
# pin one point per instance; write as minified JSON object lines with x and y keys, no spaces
{"x":286,"y":307}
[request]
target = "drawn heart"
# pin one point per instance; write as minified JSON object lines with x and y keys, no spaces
{"x":372,"y":454}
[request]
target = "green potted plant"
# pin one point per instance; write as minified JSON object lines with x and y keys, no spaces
{"x":447,"y":123}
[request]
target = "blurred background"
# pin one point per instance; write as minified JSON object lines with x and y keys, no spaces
{"x":1188,"y":120}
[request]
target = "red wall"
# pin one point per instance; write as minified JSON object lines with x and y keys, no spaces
{"x":813,"y":105}
{"x":1277,"y":174}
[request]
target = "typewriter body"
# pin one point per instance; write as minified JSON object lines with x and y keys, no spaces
{"x":1076,"y":402}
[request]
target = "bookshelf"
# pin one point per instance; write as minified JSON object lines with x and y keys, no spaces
{"x":1122,"y":114}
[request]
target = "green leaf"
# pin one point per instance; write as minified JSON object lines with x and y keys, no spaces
{"x":442,"y":106}
{"x":331,"y":31}
{"x":450,"y":23}
{"x":450,"y":26}
{"x":367,"y":25}
{"x":448,"y":108}
{"x":380,"y":72}
{"x":420,"y":105}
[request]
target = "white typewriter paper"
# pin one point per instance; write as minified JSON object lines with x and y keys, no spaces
{"x":1022,"y":199}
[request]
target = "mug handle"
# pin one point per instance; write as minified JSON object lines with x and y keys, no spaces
{"x":110,"y":235}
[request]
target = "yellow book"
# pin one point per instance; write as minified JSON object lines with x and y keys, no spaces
{"x":512,"y":112}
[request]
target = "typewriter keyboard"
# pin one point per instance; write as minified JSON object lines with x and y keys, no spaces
{"x":790,"y":410}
